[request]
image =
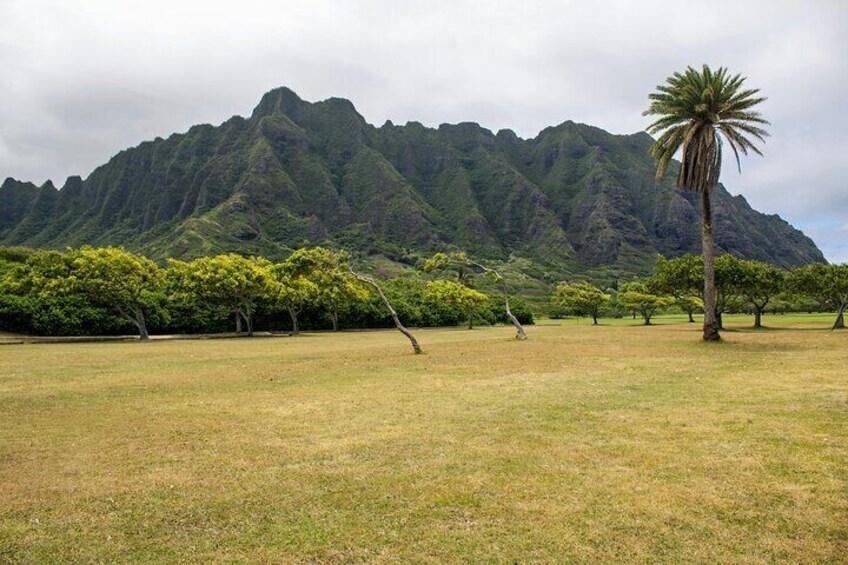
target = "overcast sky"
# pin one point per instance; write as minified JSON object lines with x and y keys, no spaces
{"x":82,"y":80}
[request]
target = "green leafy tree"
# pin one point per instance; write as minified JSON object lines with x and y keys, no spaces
{"x":293,"y":291}
{"x":581,"y":299}
{"x":729,"y":296}
{"x":327,"y":270}
{"x":112,"y":277}
{"x":697,"y":112}
{"x":456,"y":295}
{"x":464,"y":267}
{"x":228,"y":280}
{"x":759,"y":283}
{"x":682,"y":278}
{"x":637,"y":297}
{"x":826,"y":284}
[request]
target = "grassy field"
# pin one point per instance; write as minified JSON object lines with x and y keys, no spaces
{"x":585,"y":444}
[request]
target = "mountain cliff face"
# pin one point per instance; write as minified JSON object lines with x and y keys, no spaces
{"x":297,"y":173}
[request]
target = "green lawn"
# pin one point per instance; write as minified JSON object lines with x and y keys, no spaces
{"x":616,"y":443}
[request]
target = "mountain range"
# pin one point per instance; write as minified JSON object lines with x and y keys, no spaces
{"x":296,"y":173}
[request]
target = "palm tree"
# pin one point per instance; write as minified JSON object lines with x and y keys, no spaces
{"x":698,"y":112}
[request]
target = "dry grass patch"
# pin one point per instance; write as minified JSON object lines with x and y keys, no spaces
{"x":583,"y":444}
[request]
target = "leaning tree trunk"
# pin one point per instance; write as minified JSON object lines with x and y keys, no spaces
{"x":521,"y":334}
{"x":711,"y":325}
{"x":840,"y":319}
{"x":295,"y":327}
{"x":142,"y":325}
{"x":137,"y":319}
{"x":400,"y":327}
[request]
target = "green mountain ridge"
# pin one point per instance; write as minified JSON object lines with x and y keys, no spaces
{"x":574,"y":198}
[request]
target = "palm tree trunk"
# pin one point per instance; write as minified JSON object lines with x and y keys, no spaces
{"x":710,"y":321}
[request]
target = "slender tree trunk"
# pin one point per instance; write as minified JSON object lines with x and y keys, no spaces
{"x":647,"y":317}
{"x":521,"y":334}
{"x":594,"y":319}
{"x":400,"y":327}
{"x":840,"y":319}
{"x":238,"y":321}
{"x":758,"y":318}
{"x":470,"y":319}
{"x":142,"y":325}
{"x":334,"y":318}
{"x":691,"y":319}
{"x":711,"y":324}
{"x":295,"y":327}
{"x":248,"y":317}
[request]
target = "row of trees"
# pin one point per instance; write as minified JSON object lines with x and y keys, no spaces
{"x":86,"y":288}
{"x":739,"y":285}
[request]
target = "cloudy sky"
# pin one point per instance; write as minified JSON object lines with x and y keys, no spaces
{"x":83,"y":80}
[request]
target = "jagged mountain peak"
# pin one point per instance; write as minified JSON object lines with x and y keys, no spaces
{"x":298,"y":173}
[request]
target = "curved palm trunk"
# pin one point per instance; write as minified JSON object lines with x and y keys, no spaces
{"x":710,"y":322}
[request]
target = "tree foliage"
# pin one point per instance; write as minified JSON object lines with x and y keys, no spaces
{"x":827,"y":284}
{"x":454,"y":294}
{"x":228,"y":280}
{"x":636,"y":296}
{"x":581,"y":299}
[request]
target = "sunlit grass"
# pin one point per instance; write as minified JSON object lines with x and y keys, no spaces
{"x":615,"y":443}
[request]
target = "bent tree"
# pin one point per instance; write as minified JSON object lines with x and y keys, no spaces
{"x":400,"y":327}
{"x":461,"y":263}
{"x":697,"y":112}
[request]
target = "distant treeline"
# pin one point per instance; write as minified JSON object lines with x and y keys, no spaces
{"x":742,"y":285}
{"x":110,"y":291}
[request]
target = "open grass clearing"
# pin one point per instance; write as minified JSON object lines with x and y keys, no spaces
{"x":615,"y":443}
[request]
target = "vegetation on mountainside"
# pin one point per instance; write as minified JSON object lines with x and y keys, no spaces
{"x":574,"y":202}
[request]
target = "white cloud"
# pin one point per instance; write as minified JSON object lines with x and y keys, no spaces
{"x":83,"y":80}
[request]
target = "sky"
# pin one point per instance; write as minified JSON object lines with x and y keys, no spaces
{"x":82,"y":80}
